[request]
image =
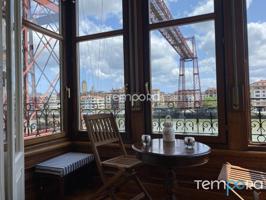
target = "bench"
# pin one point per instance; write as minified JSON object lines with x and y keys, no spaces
{"x":61,"y":167}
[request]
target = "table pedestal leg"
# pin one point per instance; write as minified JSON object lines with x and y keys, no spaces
{"x":169,"y":184}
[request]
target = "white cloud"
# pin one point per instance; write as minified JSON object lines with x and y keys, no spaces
{"x":206,"y":42}
{"x":203,"y":7}
{"x":99,"y":9}
{"x":257,"y":49}
{"x":164,"y":64}
{"x":88,"y":27}
{"x":102,"y":62}
{"x":106,"y":14}
{"x":207,"y":82}
{"x":207,"y":68}
{"x":249,"y":2}
{"x":165,"y":61}
{"x":207,"y":65}
{"x":257,"y":44}
{"x":172,"y":1}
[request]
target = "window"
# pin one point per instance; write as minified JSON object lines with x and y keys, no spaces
{"x":183,"y":67}
{"x":101,"y":59}
{"x":42,"y":64}
{"x":256,"y":20}
{"x":179,"y":9}
{"x":43,"y":13}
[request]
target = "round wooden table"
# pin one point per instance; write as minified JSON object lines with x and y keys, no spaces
{"x":172,"y":155}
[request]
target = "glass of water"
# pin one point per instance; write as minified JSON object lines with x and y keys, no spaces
{"x":189,"y":142}
{"x":146,"y":140}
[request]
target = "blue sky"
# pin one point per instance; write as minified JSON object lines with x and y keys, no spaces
{"x":256,"y":11}
{"x":46,"y":65}
{"x":102,"y":64}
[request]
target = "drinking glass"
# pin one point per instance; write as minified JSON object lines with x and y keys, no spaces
{"x":189,"y":142}
{"x":146,"y":140}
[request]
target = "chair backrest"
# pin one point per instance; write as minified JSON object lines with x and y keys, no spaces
{"x":102,"y":129}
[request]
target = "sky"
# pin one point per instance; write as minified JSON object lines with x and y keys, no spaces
{"x":47,"y":55}
{"x":101,"y":62}
{"x":257,"y":39}
{"x":105,"y":71}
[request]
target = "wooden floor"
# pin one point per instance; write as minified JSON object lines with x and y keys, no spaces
{"x":126,"y":192}
{"x":156,"y":191}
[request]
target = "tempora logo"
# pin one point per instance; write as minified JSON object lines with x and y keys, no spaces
{"x":229,"y":185}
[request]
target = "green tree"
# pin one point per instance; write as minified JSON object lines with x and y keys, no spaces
{"x":210,"y":102}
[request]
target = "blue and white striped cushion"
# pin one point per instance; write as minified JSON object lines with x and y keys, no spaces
{"x":64,"y":164}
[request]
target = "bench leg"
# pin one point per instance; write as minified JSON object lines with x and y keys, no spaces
{"x":62,"y":187}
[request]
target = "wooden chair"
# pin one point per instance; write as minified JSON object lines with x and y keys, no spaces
{"x":102,"y":130}
{"x":236,"y":173}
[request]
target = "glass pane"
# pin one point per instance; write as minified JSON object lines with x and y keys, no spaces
{"x":41,"y":70}
{"x":183,"y":68}
{"x":101,"y":65}
{"x":45,"y":13}
{"x":257,"y":67}
{"x":165,"y":10}
{"x":95,"y":16}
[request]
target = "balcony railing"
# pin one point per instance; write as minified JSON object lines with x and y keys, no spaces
{"x":45,"y":119}
{"x":186,"y":117}
{"x":41,"y":119}
{"x":258,"y":120}
{"x":118,"y":109}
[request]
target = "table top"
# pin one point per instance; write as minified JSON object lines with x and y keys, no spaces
{"x":172,"y":149}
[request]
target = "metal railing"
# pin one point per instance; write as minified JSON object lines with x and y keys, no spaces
{"x":41,"y":119}
{"x":93,"y":108}
{"x":258,"y":120}
{"x":187,"y":119}
{"x":45,"y":119}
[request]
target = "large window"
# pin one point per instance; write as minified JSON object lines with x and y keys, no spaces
{"x":183,"y":66}
{"x":41,"y":68}
{"x":256,"y":20}
{"x":101,"y":59}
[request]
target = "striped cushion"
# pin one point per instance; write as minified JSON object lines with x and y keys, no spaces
{"x":64,"y":164}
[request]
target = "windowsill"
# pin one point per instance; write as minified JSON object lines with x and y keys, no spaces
{"x":45,"y":146}
{"x":44,"y":139}
{"x":257,"y":146}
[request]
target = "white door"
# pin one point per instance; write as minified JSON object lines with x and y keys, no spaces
{"x":15,"y":144}
{"x":2,"y":183}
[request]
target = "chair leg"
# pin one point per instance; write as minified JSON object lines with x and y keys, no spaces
{"x":258,"y":195}
{"x":108,"y":187}
{"x":111,"y":182}
{"x":112,"y":195}
{"x":136,"y":178}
